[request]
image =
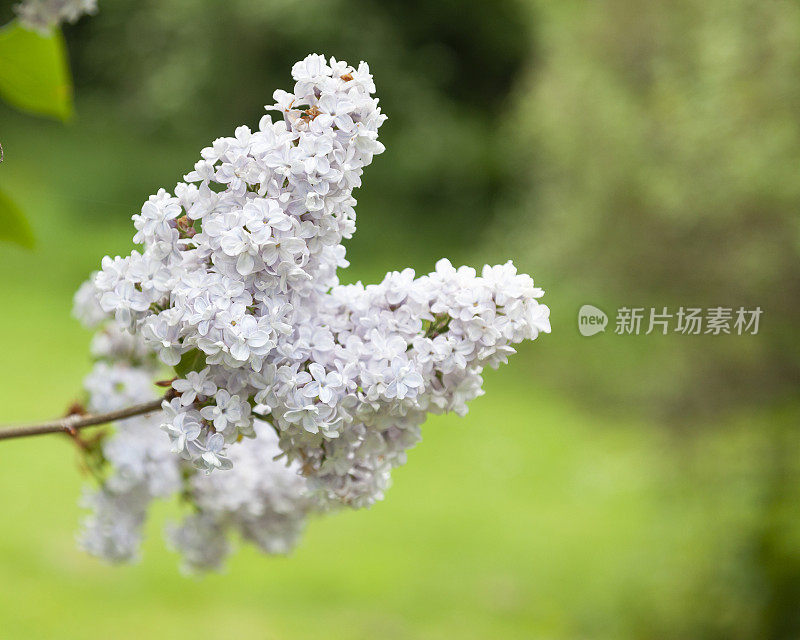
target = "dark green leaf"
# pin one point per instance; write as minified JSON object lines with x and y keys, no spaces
{"x":194,"y":360}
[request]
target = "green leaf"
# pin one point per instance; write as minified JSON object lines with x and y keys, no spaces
{"x":194,"y":360}
{"x":13,"y":225}
{"x":34,"y":72}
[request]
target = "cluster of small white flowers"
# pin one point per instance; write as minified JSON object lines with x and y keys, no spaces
{"x":43,"y":15}
{"x":390,"y":354}
{"x":142,"y":466}
{"x":262,"y":499}
{"x":236,"y":288}
{"x":247,"y":250}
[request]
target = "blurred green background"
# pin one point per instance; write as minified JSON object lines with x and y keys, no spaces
{"x":607,"y":487}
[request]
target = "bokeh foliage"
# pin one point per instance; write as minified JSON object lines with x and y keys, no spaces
{"x":623,"y":154}
{"x":660,"y":145}
{"x":35,"y":78}
{"x":443,"y":77}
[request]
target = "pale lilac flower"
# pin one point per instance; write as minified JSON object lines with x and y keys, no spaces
{"x":43,"y":15}
{"x":212,"y":456}
{"x":195,"y":384}
{"x":227,"y":410}
{"x":183,"y":429}
{"x":405,"y":380}
{"x":236,"y":286}
{"x":325,"y":385}
{"x":305,"y":415}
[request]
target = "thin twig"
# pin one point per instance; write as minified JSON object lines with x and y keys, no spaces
{"x":71,"y":424}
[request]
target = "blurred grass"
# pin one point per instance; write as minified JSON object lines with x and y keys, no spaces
{"x":528,"y":518}
{"x":657,"y":151}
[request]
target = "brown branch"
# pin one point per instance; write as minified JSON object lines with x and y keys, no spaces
{"x":71,"y":424}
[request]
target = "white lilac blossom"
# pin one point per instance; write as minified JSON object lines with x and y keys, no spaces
{"x":44,"y":15}
{"x":263,"y":500}
{"x":235,"y":287}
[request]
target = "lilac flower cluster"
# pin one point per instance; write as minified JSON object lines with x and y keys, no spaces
{"x":236,"y":288}
{"x":43,"y":15}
